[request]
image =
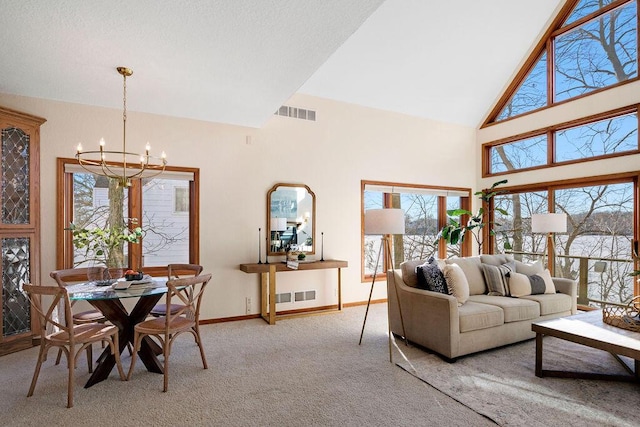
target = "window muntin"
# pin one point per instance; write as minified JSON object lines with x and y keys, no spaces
{"x":597,"y":54}
{"x":522,"y":154}
{"x":609,"y":136}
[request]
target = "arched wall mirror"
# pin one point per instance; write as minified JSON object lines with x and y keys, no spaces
{"x":291,"y":219}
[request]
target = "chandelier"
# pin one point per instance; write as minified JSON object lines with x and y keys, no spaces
{"x":121,"y":166}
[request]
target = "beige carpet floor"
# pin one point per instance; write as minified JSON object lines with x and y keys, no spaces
{"x":502,"y":385}
{"x":301,"y":372}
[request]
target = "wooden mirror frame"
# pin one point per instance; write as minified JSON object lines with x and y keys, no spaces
{"x":296,"y":220}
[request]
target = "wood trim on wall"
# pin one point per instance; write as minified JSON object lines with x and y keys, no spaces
{"x":64,"y":214}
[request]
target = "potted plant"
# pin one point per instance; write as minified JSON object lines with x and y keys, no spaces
{"x":455,"y":231}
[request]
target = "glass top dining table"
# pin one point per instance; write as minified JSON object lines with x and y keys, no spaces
{"x":108,"y":301}
{"x":97,"y":291}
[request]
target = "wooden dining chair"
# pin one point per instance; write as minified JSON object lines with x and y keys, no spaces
{"x":64,"y":278}
{"x":176,"y":271}
{"x":188,"y":291}
{"x":67,"y":336}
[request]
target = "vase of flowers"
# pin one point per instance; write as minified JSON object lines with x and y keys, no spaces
{"x":105,"y":246}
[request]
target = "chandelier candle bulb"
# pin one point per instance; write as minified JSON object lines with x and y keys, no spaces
{"x":79,"y":148}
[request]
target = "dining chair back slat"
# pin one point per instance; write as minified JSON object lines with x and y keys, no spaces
{"x":64,"y":278}
{"x":63,"y":335}
{"x":176,"y":271}
{"x":189,"y":292}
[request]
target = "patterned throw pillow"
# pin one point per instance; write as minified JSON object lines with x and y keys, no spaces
{"x":430,"y":276}
{"x":496,"y":278}
{"x":522,"y":285}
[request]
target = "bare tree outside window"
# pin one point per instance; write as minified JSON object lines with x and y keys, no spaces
{"x":594,"y":55}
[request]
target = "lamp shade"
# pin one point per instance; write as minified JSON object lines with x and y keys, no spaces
{"x":549,"y":223}
{"x":384,"y":221}
{"x":278,"y":224}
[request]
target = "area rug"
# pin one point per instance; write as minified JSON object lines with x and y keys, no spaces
{"x":501,"y":385}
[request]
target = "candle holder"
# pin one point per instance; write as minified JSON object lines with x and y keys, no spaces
{"x":259,"y":245}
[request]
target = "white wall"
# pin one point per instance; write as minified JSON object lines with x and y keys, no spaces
{"x":345,"y":145}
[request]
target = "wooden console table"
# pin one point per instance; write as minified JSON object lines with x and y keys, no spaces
{"x":268,"y":284}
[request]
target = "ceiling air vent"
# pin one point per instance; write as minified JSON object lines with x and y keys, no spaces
{"x":296,"y":113}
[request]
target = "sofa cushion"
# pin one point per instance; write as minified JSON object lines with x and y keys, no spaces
{"x":521,"y":285}
{"x":430,"y":276}
{"x":551,"y":303}
{"x":408,"y":269}
{"x":529,"y":269}
{"x":474,"y":316}
{"x":496,"y":259}
{"x":515,"y":309}
{"x":497,"y":277}
{"x":456,"y":282}
{"x":473,"y":273}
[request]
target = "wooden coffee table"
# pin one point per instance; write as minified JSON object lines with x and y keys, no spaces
{"x":589,"y":329}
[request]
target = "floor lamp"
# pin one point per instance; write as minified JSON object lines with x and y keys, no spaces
{"x":549,"y":223}
{"x":383,"y":222}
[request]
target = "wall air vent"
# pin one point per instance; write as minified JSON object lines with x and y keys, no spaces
{"x":296,"y":113}
{"x":305,"y":296}
{"x":283,"y":297}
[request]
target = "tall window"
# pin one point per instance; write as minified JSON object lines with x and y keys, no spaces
{"x":165,"y":207}
{"x":593,"y":44}
{"x":425,"y":213}
{"x":596,"y":250}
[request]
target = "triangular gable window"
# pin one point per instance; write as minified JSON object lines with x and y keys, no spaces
{"x":532,"y":93}
{"x":591,"y":45}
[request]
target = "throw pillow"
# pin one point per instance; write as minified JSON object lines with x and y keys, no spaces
{"x":421,"y":280}
{"x":496,"y":278}
{"x":456,"y":282}
{"x":430,"y":275}
{"x":409,"y":272}
{"x":529,"y":269}
{"x":522,"y":285}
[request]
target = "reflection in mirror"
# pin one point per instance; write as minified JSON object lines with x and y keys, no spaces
{"x":291,"y":211}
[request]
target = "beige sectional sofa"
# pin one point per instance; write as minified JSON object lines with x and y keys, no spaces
{"x":439,"y":323}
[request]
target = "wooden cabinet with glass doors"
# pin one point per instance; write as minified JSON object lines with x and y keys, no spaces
{"x":19,"y":225}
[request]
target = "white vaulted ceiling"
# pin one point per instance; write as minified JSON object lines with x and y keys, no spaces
{"x":237,"y":61}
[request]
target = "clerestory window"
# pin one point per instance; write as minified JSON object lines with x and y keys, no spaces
{"x":592,"y":45}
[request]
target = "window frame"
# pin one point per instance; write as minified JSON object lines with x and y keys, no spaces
{"x":465,"y":203}
{"x":552,"y":186}
{"x":64,"y":215}
{"x":546,"y":44}
{"x":550,"y":132}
